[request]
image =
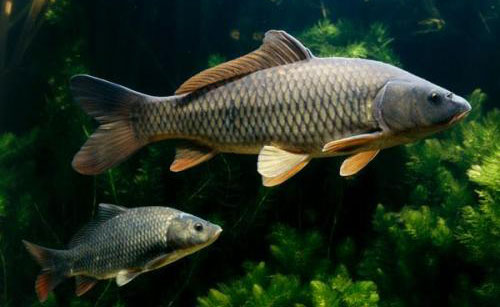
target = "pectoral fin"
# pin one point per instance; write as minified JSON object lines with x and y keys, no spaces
{"x":351,"y":143}
{"x":84,"y":284}
{"x":355,"y":163}
{"x":125,"y":276}
{"x":189,"y":156}
{"x":277,"y":165}
{"x":158,"y":262}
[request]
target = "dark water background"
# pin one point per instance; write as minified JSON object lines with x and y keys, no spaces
{"x":152,"y":47}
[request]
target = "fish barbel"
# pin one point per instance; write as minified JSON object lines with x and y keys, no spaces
{"x":279,"y":102}
{"x":122,"y":243}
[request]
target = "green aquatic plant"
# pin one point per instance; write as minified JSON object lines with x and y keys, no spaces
{"x":298,"y":274}
{"x":450,"y":230}
{"x":215,"y":59}
{"x":24,"y":200}
{"x":345,"y":38}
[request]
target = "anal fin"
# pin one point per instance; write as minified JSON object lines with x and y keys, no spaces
{"x":189,"y":156}
{"x":84,"y":284}
{"x":277,"y":165}
{"x":357,"y":162}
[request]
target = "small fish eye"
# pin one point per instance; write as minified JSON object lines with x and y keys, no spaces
{"x":198,"y":227}
{"x":435,"y":98}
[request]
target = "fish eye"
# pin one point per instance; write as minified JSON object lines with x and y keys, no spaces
{"x":434,"y":98}
{"x":198,"y":227}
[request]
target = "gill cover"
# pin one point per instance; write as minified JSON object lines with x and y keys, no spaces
{"x":395,"y":106}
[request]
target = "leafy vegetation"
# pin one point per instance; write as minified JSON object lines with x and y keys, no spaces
{"x":344,"y":38}
{"x":299,"y":274}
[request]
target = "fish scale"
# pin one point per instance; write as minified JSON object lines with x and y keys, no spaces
{"x":285,"y":104}
{"x":122,"y":242}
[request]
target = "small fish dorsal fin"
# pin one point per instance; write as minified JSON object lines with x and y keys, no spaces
{"x":278,"y":48}
{"x":104,"y":213}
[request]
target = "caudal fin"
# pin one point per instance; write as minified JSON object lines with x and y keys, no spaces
{"x":115,"y":139}
{"x":53,"y":263}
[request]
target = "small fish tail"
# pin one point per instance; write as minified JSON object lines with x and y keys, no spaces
{"x":54,"y":268}
{"x":115,"y":139}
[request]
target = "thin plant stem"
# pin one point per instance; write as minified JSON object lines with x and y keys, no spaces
{"x":113,"y":186}
{"x":4,"y":272}
{"x":102,"y":294}
{"x":44,"y":221}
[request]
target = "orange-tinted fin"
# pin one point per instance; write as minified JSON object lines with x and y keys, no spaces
{"x":115,"y":139}
{"x":351,"y":143}
{"x":273,"y":181}
{"x":84,"y":284}
{"x":44,"y":284}
{"x":53,"y":272}
{"x":357,"y":162}
{"x":278,"y":48}
{"x":189,"y":156}
{"x":277,"y":165}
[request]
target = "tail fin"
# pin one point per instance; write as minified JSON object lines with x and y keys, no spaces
{"x":115,"y":139}
{"x":53,"y":263}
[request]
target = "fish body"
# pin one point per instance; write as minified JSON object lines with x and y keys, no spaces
{"x":122,"y":243}
{"x":279,"y":102}
{"x":300,"y":106}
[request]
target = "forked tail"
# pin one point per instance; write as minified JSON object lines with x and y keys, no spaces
{"x":54,"y":268}
{"x":115,"y":139}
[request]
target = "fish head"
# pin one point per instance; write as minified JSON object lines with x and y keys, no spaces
{"x":416,"y":108}
{"x":187,"y":231}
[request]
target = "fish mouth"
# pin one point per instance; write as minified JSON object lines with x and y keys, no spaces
{"x":217,"y":233}
{"x":458,"y":117}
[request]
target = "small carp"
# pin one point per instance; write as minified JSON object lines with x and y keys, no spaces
{"x":122,"y":243}
{"x":279,"y":102}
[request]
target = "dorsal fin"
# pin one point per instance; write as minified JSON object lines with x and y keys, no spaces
{"x":104,"y":213}
{"x":278,"y":48}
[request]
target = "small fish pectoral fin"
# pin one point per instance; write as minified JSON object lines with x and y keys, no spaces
{"x":157,"y":262}
{"x":357,"y":162}
{"x":277,"y":165}
{"x":189,"y":156}
{"x":125,"y":276}
{"x":351,"y":143}
{"x":84,"y":284}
